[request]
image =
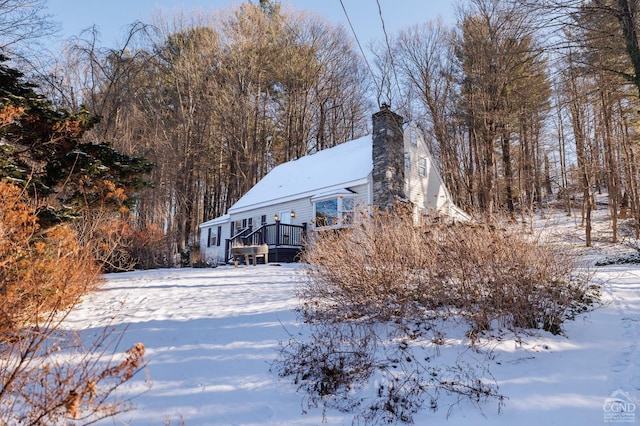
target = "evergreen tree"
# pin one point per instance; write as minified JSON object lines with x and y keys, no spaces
{"x":42,"y":150}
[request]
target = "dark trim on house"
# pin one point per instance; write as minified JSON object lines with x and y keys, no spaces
{"x":285,"y":241}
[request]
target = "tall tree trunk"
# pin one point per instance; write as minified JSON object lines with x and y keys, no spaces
{"x":578,"y":125}
{"x":507,"y":170}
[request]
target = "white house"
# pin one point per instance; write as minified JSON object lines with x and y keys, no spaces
{"x":323,"y":189}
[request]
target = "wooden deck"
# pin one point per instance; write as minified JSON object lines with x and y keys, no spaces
{"x":285,"y":241}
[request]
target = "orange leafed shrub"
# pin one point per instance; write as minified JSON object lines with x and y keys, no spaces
{"x":10,"y":113}
{"x":116,"y":239}
{"x":71,"y":127}
{"x":39,"y":271}
{"x":47,"y":376}
{"x":109,"y":191}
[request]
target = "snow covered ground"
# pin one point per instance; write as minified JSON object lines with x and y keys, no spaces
{"x":212,"y":334}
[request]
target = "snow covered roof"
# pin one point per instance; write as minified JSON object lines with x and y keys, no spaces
{"x":215,"y":221}
{"x":342,"y":166}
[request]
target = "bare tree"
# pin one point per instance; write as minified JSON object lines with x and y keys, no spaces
{"x":216,"y":101}
{"x":611,"y":22}
{"x":23,"y":24}
{"x":424,"y":55}
{"x":576,"y":90}
{"x":601,"y":52}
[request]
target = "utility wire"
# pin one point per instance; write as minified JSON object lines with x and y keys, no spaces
{"x":386,"y":39}
{"x":366,"y":61}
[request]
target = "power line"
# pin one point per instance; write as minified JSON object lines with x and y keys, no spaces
{"x":366,"y":61}
{"x":386,"y":39}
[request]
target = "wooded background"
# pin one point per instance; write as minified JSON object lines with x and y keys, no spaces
{"x":522,"y":103}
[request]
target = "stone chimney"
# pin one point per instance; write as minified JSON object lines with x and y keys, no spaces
{"x":388,"y":158}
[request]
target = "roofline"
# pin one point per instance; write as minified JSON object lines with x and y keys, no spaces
{"x":360,"y":181}
{"x":215,"y":221}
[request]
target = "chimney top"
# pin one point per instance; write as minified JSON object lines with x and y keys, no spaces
{"x":385,"y":107}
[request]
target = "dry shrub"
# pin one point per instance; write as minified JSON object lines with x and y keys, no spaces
{"x":118,"y":244}
{"x":52,"y":384}
{"x":383,"y":296}
{"x":39,"y":271}
{"x":368,"y":269}
{"x":46,"y":375}
{"x":387,"y":267}
{"x":149,"y":246}
{"x":107,"y":236}
{"x":116,"y":241}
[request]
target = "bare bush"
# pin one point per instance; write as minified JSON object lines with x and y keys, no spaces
{"x":388,"y":267}
{"x":114,"y":239}
{"x":382,"y":295}
{"x":46,"y":376}
{"x":119,"y":245}
{"x":382,"y":373}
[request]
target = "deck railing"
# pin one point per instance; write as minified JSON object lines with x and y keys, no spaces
{"x":275,"y":235}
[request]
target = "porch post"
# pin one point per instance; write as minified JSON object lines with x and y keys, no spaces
{"x":277,"y":233}
{"x":277,"y":240}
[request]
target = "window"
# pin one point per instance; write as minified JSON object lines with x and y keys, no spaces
{"x":335,"y":211}
{"x":246,"y":223}
{"x":348,"y":209}
{"x":327,"y":212}
{"x":414,"y":137}
{"x":422,"y":166}
{"x":263,"y":219}
{"x":407,"y":160}
{"x":214,"y":237}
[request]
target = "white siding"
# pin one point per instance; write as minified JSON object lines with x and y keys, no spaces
{"x":214,"y":254}
{"x":427,"y":192}
{"x":330,"y":173}
{"x":303,"y":208}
